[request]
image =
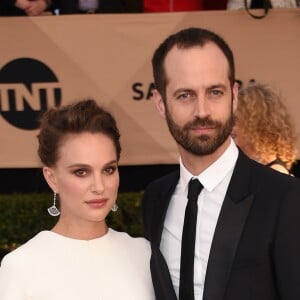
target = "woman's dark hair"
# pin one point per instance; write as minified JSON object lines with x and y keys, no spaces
{"x":82,"y":116}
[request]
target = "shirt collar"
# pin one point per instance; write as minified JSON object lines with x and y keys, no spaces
{"x":215,"y":173}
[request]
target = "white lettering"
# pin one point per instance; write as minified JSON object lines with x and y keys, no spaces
{"x":23,"y":95}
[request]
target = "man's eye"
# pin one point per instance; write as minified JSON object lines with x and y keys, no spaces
{"x":184,"y":96}
{"x":215,"y":93}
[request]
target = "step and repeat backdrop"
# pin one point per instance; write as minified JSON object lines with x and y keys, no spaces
{"x":54,"y":60}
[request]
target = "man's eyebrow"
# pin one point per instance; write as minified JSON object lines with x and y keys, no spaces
{"x":182,"y":90}
{"x":218,"y":85}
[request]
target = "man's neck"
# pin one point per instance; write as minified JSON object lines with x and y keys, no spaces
{"x":196,"y":164}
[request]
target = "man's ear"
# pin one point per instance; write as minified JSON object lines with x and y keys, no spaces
{"x":235,"y":96}
{"x":49,"y":176}
{"x":159,"y":103}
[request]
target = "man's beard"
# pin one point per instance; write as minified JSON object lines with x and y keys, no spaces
{"x":203,"y":144}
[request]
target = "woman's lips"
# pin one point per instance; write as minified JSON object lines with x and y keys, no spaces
{"x":96,"y":203}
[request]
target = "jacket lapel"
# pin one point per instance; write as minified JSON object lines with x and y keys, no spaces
{"x":231,"y":221}
{"x":161,"y":207}
{"x":160,"y":273}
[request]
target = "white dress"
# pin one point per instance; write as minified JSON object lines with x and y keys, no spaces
{"x":54,"y":267}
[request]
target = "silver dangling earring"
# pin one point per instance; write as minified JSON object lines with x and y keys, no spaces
{"x":53,"y":210}
{"x":115,"y":207}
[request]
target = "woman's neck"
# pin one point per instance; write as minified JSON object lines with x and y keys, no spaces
{"x":82,"y":231}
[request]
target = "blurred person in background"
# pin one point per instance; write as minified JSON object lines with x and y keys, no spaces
{"x":263,"y":127}
{"x":24,"y":7}
{"x":183,"y":5}
{"x":172,"y":5}
{"x":254,"y":4}
{"x":89,"y":6}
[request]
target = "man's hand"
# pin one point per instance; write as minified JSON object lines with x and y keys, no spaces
{"x":32,"y":7}
{"x":23,"y":4}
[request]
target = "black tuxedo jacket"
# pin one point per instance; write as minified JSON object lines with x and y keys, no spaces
{"x":255,"y":252}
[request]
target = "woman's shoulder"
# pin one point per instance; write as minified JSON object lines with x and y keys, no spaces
{"x":280,"y":168}
{"x":279,"y":165}
{"x":26,"y":250}
{"x":23,"y":256}
{"x":126,"y":239}
{"x":135,"y":250}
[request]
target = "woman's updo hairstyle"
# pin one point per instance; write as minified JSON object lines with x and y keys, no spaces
{"x":82,"y":116}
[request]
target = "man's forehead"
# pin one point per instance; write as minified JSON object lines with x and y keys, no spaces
{"x":209,"y":47}
{"x":196,"y":60}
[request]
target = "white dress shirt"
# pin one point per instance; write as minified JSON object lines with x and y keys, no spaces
{"x":215,"y":180}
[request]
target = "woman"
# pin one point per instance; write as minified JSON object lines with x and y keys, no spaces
{"x":80,"y":258}
{"x":263,"y":128}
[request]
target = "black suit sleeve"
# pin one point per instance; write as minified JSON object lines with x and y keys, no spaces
{"x":287,"y":245}
{"x":146,"y":213}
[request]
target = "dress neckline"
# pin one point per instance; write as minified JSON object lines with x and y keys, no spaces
{"x":73,"y":240}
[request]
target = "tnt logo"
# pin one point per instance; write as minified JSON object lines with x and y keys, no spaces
{"x":27,"y":88}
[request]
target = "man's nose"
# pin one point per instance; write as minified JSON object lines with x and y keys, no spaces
{"x":201,"y":109}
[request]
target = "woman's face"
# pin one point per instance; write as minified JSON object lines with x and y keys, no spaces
{"x":85,"y":177}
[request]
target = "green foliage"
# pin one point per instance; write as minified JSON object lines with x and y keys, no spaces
{"x":128,"y":217}
{"x":24,"y":215}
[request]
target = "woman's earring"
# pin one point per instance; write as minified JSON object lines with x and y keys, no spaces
{"x":115,"y":207}
{"x":53,"y":210}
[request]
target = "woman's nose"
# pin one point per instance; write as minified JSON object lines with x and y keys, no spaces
{"x":97,"y":186}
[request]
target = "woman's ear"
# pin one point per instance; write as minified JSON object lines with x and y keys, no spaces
{"x":49,"y":176}
{"x":159,"y":103}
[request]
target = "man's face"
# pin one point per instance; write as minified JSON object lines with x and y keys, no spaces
{"x":199,"y":100}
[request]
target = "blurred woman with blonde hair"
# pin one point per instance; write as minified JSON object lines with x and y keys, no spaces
{"x":263,"y":127}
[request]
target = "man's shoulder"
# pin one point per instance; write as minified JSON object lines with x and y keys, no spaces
{"x":170,"y":177}
{"x":267,"y":176}
{"x":163,"y":182}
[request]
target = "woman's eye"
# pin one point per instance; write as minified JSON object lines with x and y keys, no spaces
{"x":80,"y":172}
{"x":110,"y":170}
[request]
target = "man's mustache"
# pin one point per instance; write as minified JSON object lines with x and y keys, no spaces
{"x":202,"y":122}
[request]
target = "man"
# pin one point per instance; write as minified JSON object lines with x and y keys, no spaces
{"x":247,"y":216}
